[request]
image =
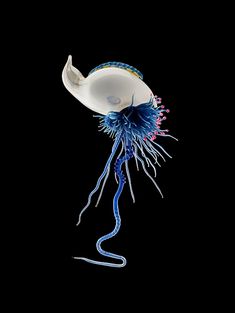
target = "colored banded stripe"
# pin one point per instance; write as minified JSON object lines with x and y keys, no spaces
{"x":124,"y":66}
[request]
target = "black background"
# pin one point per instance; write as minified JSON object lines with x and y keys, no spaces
{"x":157,"y":236}
{"x":79,"y":153}
{"x":61,"y":155}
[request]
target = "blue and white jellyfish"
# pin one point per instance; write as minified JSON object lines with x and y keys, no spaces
{"x":132,"y":116}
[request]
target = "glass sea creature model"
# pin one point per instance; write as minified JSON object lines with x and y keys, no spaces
{"x":132,"y":116}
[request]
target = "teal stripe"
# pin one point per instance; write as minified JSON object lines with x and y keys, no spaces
{"x":119,"y":65}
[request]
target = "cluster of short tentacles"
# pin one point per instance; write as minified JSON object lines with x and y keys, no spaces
{"x":135,"y":129}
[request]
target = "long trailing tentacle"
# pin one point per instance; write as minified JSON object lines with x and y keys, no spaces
{"x":148,"y":161}
{"x":103,"y":185}
{"x":152,"y":153}
{"x":162,"y":149}
{"x":129,"y":181}
{"x":155,"y":150}
{"x":136,"y":160}
{"x":104,"y":263}
{"x":120,"y":153}
{"x":167,"y":135}
{"x":154,"y":169}
{"x":137,"y":127}
{"x":142,"y":152}
{"x":121,"y":183}
{"x":147,"y":173}
{"x":114,"y":149}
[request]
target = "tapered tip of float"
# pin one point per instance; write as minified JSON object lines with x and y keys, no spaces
{"x":69,"y":61}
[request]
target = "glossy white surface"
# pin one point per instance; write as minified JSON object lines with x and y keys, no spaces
{"x":105,"y":90}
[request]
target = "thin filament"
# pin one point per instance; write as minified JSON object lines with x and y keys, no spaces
{"x":136,"y":160}
{"x":103,"y":185}
{"x":147,"y":173}
{"x":121,"y":179}
{"x":129,"y":181}
{"x":104,"y":263}
{"x":162,"y":149}
{"x":114,"y":149}
{"x":120,"y":153}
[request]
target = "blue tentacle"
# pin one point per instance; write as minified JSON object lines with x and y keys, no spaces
{"x":137,"y":127}
{"x":114,"y":149}
{"x":122,"y":180}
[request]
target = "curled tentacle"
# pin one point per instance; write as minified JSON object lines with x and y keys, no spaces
{"x":136,"y":127}
{"x":121,"y":182}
